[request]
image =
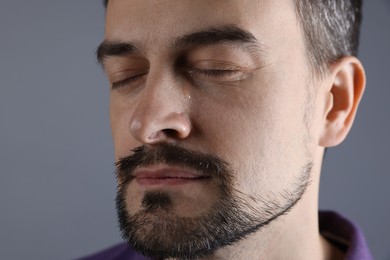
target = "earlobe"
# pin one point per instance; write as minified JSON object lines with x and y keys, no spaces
{"x":346,"y":90}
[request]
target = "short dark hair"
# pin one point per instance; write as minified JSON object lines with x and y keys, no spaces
{"x":331,"y":30}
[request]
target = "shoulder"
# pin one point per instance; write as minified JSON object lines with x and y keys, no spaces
{"x":118,"y":252}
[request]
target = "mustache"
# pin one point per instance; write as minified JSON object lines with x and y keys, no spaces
{"x":208,"y":165}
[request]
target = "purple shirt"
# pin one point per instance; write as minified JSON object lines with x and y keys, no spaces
{"x":336,"y":229}
{"x":345,"y":235}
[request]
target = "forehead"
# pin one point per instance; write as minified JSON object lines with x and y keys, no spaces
{"x":157,"y":22}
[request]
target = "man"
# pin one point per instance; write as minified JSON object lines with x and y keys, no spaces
{"x":220,"y":113}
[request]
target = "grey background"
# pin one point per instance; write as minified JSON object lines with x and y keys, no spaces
{"x":56,"y":157}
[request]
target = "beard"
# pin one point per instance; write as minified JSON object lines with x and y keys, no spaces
{"x":156,"y":231}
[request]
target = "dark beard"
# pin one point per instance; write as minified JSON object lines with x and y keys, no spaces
{"x":156,"y":231}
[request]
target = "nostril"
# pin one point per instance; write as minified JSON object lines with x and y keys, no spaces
{"x":155,"y":136}
{"x":163,"y":135}
{"x":171,"y":133}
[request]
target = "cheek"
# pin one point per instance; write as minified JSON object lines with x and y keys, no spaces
{"x":120,"y":129}
{"x":263,"y":108}
{"x":258,"y":129}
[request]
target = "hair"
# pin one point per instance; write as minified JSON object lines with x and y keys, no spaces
{"x":331,"y":30}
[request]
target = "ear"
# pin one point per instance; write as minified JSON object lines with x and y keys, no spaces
{"x":344,"y":93}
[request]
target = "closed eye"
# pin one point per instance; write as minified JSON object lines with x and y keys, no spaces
{"x":216,"y":74}
{"x":127,"y":81}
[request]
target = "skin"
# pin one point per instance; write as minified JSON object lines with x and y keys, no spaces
{"x":267,"y":119}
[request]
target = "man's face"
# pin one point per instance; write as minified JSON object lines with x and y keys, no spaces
{"x":226,"y":84}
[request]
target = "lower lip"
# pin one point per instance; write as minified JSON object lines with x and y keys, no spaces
{"x":167,"y":181}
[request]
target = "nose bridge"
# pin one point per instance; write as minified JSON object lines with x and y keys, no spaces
{"x":164,"y":90}
{"x":160,"y":109}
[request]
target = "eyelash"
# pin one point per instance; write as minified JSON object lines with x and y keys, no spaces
{"x":125,"y":82}
{"x":193,"y":73}
{"x":212,"y":73}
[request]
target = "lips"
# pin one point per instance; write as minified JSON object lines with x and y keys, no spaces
{"x":166,"y":176}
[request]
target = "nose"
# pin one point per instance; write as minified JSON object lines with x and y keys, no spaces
{"x":161,"y":111}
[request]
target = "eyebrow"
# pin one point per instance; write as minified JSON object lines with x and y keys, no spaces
{"x":114,"y":48}
{"x":228,"y":34}
{"x":217,"y":35}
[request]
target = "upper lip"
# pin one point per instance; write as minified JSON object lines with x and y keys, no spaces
{"x":166,"y":172}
